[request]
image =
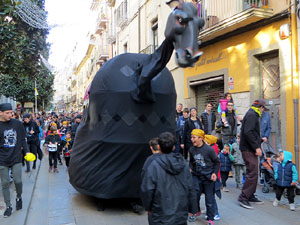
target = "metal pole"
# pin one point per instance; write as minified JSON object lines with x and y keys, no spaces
{"x":296,"y":128}
{"x":35,"y":96}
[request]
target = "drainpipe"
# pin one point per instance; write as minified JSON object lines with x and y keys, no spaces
{"x":295,"y":77}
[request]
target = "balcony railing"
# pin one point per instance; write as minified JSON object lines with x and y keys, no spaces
{"x":214,"y":11}
{"x":149,"y":49}
{"x":121,"y":13}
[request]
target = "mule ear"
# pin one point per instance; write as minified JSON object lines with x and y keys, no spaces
{"x":174,"y":3}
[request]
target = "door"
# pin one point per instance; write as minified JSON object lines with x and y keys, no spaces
{"x":271,"y":93}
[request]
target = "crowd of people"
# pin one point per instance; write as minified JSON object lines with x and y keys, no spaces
{"x":197,"y":160}
{"x":32,"y":134}
{"x":200,"y":158}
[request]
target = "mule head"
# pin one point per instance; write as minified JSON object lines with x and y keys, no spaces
{"x":183,"y":26}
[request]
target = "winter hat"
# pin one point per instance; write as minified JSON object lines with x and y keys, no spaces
{"x":65,"y":122}
{"x":5,"y":107}
{"x":26,"y":115}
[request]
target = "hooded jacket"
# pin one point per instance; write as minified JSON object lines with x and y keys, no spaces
{"x":226,"y":160}
{"x":167,"y":189}
{"x":32,"y":126}
{"x":286,"y":172}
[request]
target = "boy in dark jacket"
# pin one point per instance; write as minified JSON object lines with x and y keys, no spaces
{"x":167,"y":190}
{"x":204,"y":164}
{"x":32,"y":131}
{"x":67,"y":143}
{"x":53,"y":139}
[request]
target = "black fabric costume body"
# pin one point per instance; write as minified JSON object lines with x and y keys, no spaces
{"x":132,"y":99}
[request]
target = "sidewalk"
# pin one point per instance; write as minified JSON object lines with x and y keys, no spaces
{"x":29,"y":181}
{"x":55,"y":202}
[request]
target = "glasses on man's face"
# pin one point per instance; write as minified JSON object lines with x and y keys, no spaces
{"x":229,"y":105}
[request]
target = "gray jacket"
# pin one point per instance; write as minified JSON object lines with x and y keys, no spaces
{"x":237,"y":154}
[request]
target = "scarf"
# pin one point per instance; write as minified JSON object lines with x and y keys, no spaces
{"x":68,"y":143}
{"x":256,"y":110}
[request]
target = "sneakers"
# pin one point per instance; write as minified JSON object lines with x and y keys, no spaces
{"x":8,"y":212}
{"x":225,"y":189}
{"x":255,"y":200}
{"x":19,"y":203}
{"x":245,"y":204}
{"x":292,"y":207}
{"x":55,"y":170}
{"x":210,"y":222}
{"x":192,"y":217}
{"x":275,"y":202}
{"x":217,"y":217}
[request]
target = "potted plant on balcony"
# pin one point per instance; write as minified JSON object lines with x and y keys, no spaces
{"x":258,"y":3}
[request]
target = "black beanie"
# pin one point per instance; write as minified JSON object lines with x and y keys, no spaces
{"x":5,"y":107}
{"x":26,"y":115}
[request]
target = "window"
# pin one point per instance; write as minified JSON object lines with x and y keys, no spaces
{"x":155,"y":35}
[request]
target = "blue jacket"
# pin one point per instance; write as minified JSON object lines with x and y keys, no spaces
{"x":286,"y":172}
{"x":265,"y":125}
{"x":226,"y":160}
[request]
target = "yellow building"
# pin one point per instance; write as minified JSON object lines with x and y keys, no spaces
{"x":252,"y":53}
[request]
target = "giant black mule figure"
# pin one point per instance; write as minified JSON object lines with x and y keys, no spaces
{"x":132,"y":99}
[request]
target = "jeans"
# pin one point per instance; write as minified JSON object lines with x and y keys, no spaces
{"x":250,"y":184}
{"x":207,"y":187}
{"x":53,"y":157}
{"x":17,"y":176}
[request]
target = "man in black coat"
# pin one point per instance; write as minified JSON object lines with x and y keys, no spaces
{"x":250,"y":148}
{"x":167,"y":190}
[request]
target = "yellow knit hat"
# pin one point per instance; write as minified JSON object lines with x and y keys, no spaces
{"x":198,"y":132}
{"x":211,"y":139}
{"x":30,"y":157}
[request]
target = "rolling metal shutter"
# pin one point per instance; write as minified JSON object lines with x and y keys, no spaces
{"x":209,"y":92}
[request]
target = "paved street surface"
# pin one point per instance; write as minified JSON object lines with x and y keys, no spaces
{"x":56,"y":202}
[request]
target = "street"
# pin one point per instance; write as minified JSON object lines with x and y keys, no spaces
{"x":56,"y":202}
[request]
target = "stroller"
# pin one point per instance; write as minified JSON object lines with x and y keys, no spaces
{"x":267,"y":172}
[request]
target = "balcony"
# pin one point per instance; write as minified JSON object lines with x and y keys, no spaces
{"x":121,"y":14}
{"x":223,"y":16}
{"x":149,"y":49}
{"x":101,"y":24}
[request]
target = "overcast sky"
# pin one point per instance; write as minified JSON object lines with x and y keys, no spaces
{"x":73,"y":20}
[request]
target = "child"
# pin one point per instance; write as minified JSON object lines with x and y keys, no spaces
{"x":53,"y":139}
{"x":223,"y":107}
{"x":226,"y":160}
{"x":238,"y":163}
{"x":286,"y":177}
{"x":211,"y":140}
{"x":167,"y":189}
{"x":67,"y":144}
{"x":204,"y":165}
